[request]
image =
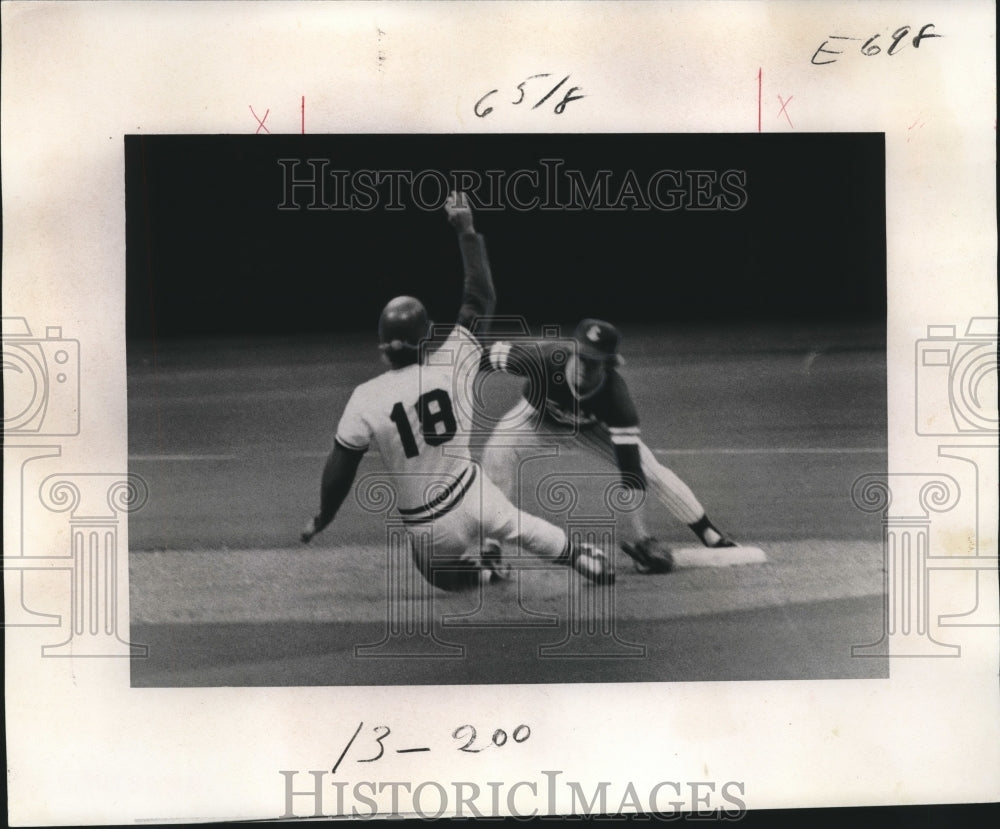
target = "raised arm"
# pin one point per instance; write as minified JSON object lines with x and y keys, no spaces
{"x":479,"y":297}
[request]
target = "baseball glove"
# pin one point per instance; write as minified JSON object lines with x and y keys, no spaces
{"x":650,"y":556}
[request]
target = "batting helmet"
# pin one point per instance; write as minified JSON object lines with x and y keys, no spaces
{"x":403,"y":324}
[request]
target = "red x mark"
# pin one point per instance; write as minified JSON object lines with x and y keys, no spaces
{"x":260,"y":121}
{"x":918,"y":124}
{"x":783,"y":111}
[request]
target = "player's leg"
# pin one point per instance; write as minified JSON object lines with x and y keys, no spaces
{"x":503,"y":459}
{"x":506,"y":454}
{"x":499,"y":462}
{"x":503,"y":522}
{"x":664,"y":483}
{"x":440,"y":551}
{"x":649,"y":554}
{"x":679,"y":500}
{"x":458,"y":552}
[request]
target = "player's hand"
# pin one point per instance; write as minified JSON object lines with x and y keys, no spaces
{"x":308,"y":531}
{"x":459,"y":211}
{"x":650,"y":556}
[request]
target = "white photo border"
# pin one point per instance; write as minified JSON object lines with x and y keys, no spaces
{"x":84,"y":747}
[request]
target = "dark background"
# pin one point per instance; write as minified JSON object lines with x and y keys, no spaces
{"x":210,"y":253}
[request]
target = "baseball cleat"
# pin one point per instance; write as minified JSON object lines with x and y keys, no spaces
{"x":591,"y":563}
{"x":715,"y":538}
{"x":720,"y":540}
{"x":710,"y":535}
{"x":649,"y":556}
{"x":494,"y":567}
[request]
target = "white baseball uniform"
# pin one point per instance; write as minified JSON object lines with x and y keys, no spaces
{"x":419,"y":419}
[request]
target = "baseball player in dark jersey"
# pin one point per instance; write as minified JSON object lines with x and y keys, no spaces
{"x":410,"y":414}
{"x":578,"y":393}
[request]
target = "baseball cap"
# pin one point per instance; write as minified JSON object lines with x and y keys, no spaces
{"x":598,"y":340}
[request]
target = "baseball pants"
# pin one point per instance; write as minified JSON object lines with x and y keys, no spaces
{"x":440,"y":547}
{"x":505,"y":454}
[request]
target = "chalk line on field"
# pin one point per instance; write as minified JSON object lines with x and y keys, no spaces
{"x":776,"y":450}
{"x":195,"y":457}
{"x":182,"y":457}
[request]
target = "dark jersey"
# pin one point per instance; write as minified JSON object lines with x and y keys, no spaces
{"x":607,"y":409}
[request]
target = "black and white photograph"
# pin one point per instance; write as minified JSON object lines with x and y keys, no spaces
{"x":667,"y":380}
{"x":499,"y":410}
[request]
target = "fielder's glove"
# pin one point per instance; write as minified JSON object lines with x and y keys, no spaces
{"x":650,"y":555}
